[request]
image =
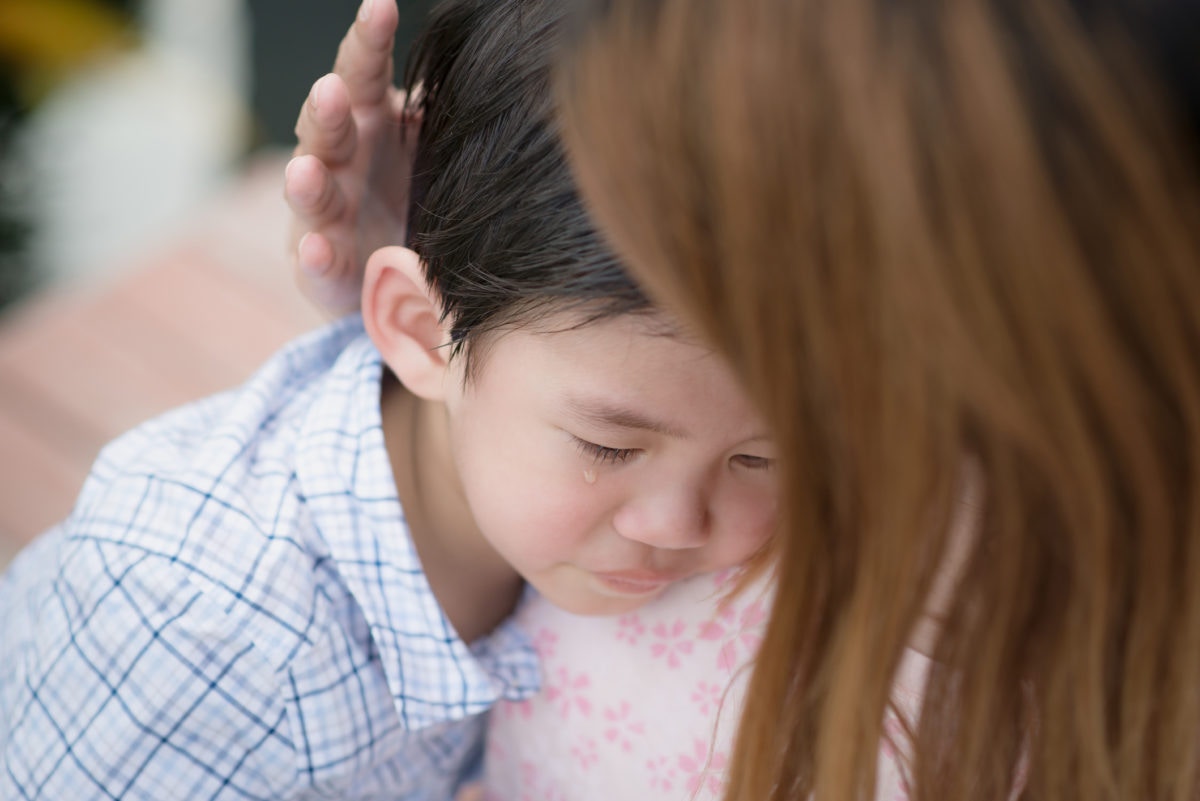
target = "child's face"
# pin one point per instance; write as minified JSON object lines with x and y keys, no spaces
{"x":607,"y":462}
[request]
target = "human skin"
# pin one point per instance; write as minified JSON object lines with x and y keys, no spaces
{"x":347,"y":183}
{"x":601,"y":460}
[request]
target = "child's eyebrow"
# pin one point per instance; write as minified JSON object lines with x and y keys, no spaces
{"x":614,"y":416}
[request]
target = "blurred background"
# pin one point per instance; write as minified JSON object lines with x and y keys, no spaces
{"x":142,"y":264}
{"x":117,"y":117}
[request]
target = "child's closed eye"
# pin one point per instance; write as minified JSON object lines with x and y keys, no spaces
{"x":751,"y":462}
{"x":602,"y":454}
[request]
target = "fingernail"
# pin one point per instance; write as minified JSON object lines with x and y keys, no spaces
{"x":364,"y":11}
{"x":317,"y":90}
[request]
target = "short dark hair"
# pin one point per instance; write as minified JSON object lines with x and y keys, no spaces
{"x":495,"y":216}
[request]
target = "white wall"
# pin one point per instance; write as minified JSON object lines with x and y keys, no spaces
{"x":121,"y":155}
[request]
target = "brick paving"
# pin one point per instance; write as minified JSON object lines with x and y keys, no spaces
{"x":80,"y":365}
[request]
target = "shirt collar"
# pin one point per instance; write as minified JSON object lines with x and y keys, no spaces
{"x":343,"y":470}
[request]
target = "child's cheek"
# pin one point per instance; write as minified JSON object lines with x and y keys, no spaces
{"x":568,"y":506}
{"x":553,"y":504}
{"x":748,"y":524}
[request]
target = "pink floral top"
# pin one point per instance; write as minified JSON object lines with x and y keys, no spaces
{"x":645,"y":706}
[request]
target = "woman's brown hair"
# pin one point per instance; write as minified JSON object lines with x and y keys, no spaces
{"x":938,"y":240}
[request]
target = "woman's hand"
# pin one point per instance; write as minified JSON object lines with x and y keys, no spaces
{"x":348,"y":182}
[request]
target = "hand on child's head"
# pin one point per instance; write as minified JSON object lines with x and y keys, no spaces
{"x":348,"y":183}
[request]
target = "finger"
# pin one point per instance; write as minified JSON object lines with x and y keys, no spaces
{"x":325,"y":276}
{"x":311,"y":193}
{"x":325,"y":127}
{"x":364,"y":59}
{"x":314,"y":255}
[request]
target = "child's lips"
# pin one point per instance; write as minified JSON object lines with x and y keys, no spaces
{"x":635,"y":583}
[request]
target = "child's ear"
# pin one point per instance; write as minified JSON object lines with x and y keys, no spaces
{"x":403,"y":318}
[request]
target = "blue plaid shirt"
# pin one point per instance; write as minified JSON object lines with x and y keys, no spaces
{"x":234,"y":609}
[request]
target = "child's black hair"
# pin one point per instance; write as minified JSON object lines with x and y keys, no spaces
{"x":495,"y":215}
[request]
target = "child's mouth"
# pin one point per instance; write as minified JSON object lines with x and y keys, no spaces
{"x":634,"y":583}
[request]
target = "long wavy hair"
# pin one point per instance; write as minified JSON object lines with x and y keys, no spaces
{"x":938,"y":239}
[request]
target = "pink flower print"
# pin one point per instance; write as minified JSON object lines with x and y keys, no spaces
{"x":513,"y":709}
{"x":746,"y":633}
{"x":711,"y":630}
{"x":727,"y":657}
{"x":569,"y":692}
{"x":662,"y":775}
{"x":754,"y":617}
{"x":749,"y":637}
{"x":495,"y":751}
{"x":724,"y":580}
{"x":671,"y":643}
{"x":552,"y":792}
{"x":621,"y":728}
{"x":716,"y":628}
{"x":545,"y":642}
{"x":630,"y":628}
{"x":530,"y":777}
{"x":531,"y":789}
{"x":701,"y":770}
{"x":715,"y":631}
{"x":707,"y":696}
{"x":585,"y":751}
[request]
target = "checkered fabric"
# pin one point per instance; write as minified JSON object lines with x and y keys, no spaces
{"x":234,"y":609}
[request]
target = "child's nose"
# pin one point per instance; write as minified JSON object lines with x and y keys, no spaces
{"x":672,"y":517}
